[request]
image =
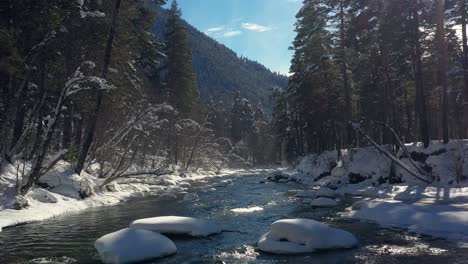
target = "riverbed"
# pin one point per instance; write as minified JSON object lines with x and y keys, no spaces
{"x":70,"y":238}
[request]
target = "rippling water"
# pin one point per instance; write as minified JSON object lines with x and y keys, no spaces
{"x":70,"y":239}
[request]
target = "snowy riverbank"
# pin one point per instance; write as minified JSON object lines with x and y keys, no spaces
{"x":63,"y":188}
{"x":391,"y":196}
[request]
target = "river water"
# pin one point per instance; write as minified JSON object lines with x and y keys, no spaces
{"x":70,"y":238}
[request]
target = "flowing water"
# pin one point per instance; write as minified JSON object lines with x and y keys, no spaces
{"x":70,"y":238}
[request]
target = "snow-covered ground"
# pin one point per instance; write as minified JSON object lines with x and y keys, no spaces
{"x":64,"y":189}
{"x":391,"y":196}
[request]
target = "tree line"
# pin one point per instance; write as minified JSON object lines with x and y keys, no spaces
{"x":401,"y":64}
{"x":86,"y":81}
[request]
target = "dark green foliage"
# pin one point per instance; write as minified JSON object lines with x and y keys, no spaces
{"x":181,"y":79}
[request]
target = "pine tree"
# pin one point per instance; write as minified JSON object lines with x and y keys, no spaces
{"x":181,"y":80}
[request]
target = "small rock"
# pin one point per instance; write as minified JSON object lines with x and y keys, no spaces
{"x":20,"y":202}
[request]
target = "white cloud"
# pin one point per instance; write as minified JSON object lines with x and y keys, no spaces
{"x":215,"y":29}
{"x":255,"y":27}
{"x":232,"y":33}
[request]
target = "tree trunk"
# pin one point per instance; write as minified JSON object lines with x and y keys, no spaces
{"x":420,"y":92}
{"x":465,"y":64}
{"x":442,"y":61}
{"x":88,"y":140}
{"x":344,"y":73}
{"x":67,"y":129}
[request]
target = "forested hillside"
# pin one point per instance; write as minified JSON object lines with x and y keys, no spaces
{"x":221,"y":73}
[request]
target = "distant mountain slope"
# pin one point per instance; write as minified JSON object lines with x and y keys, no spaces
{"x":222,"y":73}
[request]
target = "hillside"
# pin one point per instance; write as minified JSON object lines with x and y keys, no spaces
{"x":221,"y":73}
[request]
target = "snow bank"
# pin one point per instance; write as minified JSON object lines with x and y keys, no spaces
{"x":439,"y":220}
{"x":295,"y":236}
{"x":63,"y":192}
{"x":447,"y":163}
{"x":133,"y":245}
{"x":178,"y":225}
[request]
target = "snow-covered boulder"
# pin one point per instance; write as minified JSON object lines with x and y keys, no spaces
{"x":307,"y":194}
{"x":307,"y":201}
{"x":185,"y":185}
{"x":323,"y":202}
{"x":277,"y":176}
{"x":326,"y":192}
{"x":20,"y":202}
{"x":42,"y":196}
{"x":133,"y":245}
{"x":167,"y":196}
{"x":66,"y":182}
{"x":178,"y":225}
{"x":113,"y":187}
{"x":191,"y":197}
{"x":367,"y":163}
{"x":296,"y":236}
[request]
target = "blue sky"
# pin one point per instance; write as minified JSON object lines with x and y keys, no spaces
{"x":261,"y":30}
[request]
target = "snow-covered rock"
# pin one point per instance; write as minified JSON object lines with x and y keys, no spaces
{"x":167,"y":196}
{"x":133,"y":245}
{"x":277,"y":176}
{"x":185,"y":185}
{"x":178,"y":225}
{"x":307,"y":194}
{"x":113,"y":187}
{"x":191,"y":197}
{"x":63,"y":180}
{"x":295,"y":236}
{"x":367,"y":163}
{"x":307,"y":201}
{"x":326,"y":192}
{"x":42,"y":196}
{"x":323,"y":202}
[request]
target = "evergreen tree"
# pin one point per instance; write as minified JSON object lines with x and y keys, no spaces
{"x":181,"y":80}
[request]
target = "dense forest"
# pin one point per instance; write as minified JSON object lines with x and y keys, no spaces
{"x":89,"y":82}
{"x":375,"y":67}
{"x":133,"y":89}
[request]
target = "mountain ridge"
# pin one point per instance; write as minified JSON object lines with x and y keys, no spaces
{"x":221,"y":73}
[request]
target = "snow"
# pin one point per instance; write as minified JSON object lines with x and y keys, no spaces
{"x":323,"y":202}
{"x":449,"y":221}
{"x":326,"y":192}
{"x":63,"y":194}
{"x":133,"y":245}
{"x":178,"y":225}
{"x":295,"y":236}
{"x":307,"y":193}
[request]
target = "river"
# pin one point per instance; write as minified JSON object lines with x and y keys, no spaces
{"x":70,"y":238}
